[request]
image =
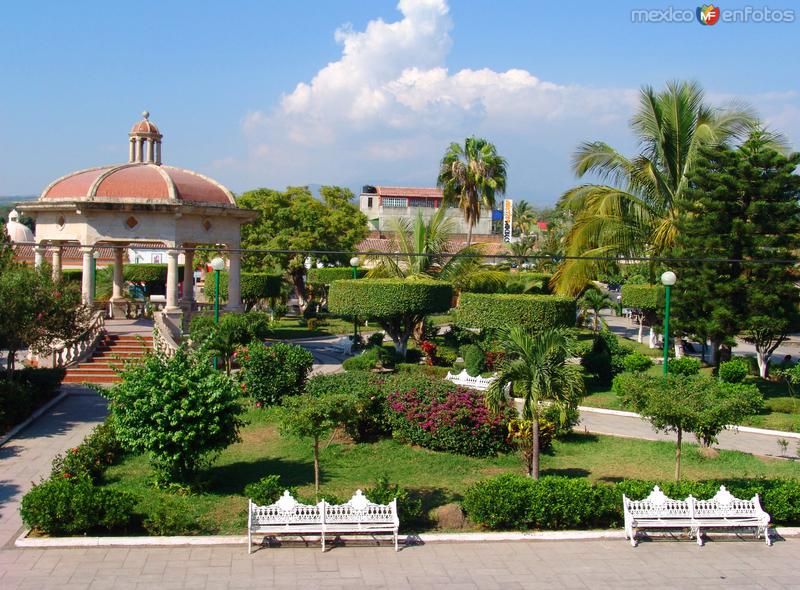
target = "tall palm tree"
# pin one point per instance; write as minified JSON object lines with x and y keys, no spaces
{"x":537,"y":363}
{"x":523,"y":218}
{"x":595,"y":300}
{"x":472,"y":174}
{"x":634,"y":214}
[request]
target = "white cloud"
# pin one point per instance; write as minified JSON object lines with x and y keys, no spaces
{"x":387,"y":108}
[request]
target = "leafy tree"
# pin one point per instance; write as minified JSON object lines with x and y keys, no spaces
{"x":523,"y":218}
{"x":270,"y":373}
{"x":595,"y":300}
{"x":473,"y":174}
{"x":634,"y":213}
{"x":688,"y":403}
{"x":742,"y":206}
{"x":295,"y":220}
{"x":537,"y":366}
{"x":177,"y":411}
{"x":313,"y":416}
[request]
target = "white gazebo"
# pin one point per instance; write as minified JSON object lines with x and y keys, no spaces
{"x":140,"y":201}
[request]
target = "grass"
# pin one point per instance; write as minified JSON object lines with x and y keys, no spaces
{"x":438,"y":477}
{"x":293,"y":328}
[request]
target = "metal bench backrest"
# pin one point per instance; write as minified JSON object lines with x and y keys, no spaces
{"x":359,"y":510}
{"x":657,"y":504}
{"x":286,"y":511}
{"x":725,"y":505}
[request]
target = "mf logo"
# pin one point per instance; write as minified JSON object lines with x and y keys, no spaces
{"x":708,"y":14}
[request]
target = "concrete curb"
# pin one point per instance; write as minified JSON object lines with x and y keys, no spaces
{"x":748,"y":429}
{"x":23,"y":425}
{"x":23,"y":541}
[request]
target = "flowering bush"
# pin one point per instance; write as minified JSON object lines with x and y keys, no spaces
{"x":429,"y":348}
{"x":90,"y":458}
{"x":437,"y":415}
{"x":271,"y":372}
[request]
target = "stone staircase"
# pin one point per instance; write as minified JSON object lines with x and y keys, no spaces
{"x":113,"y":351}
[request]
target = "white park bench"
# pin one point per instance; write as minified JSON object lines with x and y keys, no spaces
{"x":288,"y":517}
{"x":723,"y":511}
{"x":466,"y":380}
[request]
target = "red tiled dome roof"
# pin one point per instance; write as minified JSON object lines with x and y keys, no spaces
{"x":139,"y":181}
{"x":145,"y":126}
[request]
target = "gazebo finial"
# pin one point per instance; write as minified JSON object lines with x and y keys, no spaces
{"x":145,"y":142}
{"x":146,"y":114}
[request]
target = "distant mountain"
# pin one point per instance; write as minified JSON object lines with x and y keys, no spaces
{"x":9,"y":199}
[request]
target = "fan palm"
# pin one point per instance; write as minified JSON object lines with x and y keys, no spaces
{"x":537,"y":366}
{"x":595,"y":300}
{"x":635,"y":212}
{"x":472,"y":174}
{"x":523,"y":218}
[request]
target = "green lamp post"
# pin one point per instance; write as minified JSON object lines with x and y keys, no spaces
{"x":667,"y":279}
{"x":354,"y":265}
{"x":217,"y":264}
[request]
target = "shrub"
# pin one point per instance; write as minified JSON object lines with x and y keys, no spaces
{"x":606,"y":358}
{"x":375,"y":339}
{"x":271,"y":372}
{"x":267,"y":490}
{"x":72,"y":506}
{"x":563,"y":423}
{"x":368,"y":420}
{"x":457,"y":336}
{"x":520,"y":435}
{"x":25,"y":393}
{"x":145,"y":273}
{"x":409,"y":508}
{"x":326,"y":276}
{"x":253,"y":286}
{"x":177,"y":411}
{"x":734,"y":371}
{"x":171,"y":517}
{"x":240,"y":328}
{"x":312,"y":324}
{"x":636,"y":362}
{"x":445,"y":357}
{"x":684,"y":366}
{"x":369,"y":358}
{"x":474,"y":360}
{"x":638,"y":296}
{"x":437,"y":415}
{"x":90,"y":458}
{"x":478,"y":310}
{"x":201,"y":327}
{"x":279,"y":310}
{"x":502,"y":502}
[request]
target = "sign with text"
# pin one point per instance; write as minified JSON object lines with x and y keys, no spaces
{"x":508,"y":211}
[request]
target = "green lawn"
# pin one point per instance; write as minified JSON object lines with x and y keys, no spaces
{"x":438,"y":477}
{"x":293,"y":328}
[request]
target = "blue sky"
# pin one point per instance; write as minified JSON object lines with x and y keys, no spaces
{"x":266,"y":93}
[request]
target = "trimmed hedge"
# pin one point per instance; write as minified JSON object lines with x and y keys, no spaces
{"x":512,"y":501}
{"x":28,"y":390}
{"x":72,"y":275}
{"x":147,"y":273}
{"x":388,"y":298}
{"x":641,"y":296}
{"x":478,"y":310}
{"x":254,"y":286}
{"x":325,"y":276}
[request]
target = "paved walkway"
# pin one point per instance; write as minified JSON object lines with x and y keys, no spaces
{"x":485,"y":566}
{"x":26,"y":458}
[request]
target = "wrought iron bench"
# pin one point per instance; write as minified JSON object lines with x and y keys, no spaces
{"x":288,"y":517}
{"x":723,"y":511}
{"x":466,"y":380}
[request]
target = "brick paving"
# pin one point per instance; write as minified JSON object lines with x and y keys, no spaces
{"x":484,"y":566}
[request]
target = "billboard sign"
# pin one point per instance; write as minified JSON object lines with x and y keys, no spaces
{"x":508,"y":210}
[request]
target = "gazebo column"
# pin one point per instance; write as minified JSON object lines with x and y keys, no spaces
{"x":119,"y":306}
{"x":234,"y":281}
{"x":86,"y":278}
{"x":38,"y":255}
{"x":172,"y":281}
{"x":188,"y":279}
{"x":57,"y":262}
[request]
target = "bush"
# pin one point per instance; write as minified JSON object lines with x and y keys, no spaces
{"x":646,"y":297}
{"x":369,"y":420}
{"x":734,"y":371}
{"x":684,"y":366}
{"x":478,"y":310}
{"x":474,"y":360}
{"x":606,"y":358}
{"x":389,"y":298}
{"x":445,"y":357}
{"x":72,"y":506}
{"x":409,"y":508}
{"x":502,"y":502}
{"x":326,"y":276}
{"x":457,"y":337}
{"x":636,"y":362}
{"x":241,"y":328}
{"x":267,"y":490}
{"x":28,"y":390}
{"x":375,"y":339}
{"x":90,"y":458}
{"x":437,"y":415}
{"x":254,"y":286}
{"x":171,"y":517}
{"x":369,"y":358}
{"x":312,"y":324}
{"x":176,"y":410}
{"x":271,"y":372}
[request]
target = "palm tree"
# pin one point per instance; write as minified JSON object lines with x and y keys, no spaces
{"x":472,"y":174}
{"x":635,"y":212}
{"x":537,"y":363}
{"x":595,"y":300}
{"x":523,"y":218}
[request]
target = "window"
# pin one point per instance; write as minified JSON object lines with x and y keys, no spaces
{"x":369,"y":202}
{"x":421,"y":202}
{"x":396,"y":202}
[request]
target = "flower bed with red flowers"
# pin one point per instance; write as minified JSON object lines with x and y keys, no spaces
{"x":437,"y":415}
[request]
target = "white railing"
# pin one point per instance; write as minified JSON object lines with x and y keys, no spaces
{"x":163,"y":340}
{"x":66,"y":354}
{"x":466,"y":380}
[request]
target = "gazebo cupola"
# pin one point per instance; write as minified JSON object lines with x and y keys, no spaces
{"x":145,"y":141}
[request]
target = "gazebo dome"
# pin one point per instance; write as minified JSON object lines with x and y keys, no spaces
{"x":17,"y":232}
{"x":142,"y":179}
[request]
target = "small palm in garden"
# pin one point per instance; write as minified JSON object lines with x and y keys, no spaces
{"x":595,"y":300}
{"x":537,"y":366}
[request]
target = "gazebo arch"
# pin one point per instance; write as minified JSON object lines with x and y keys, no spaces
{"x":140,"y":201}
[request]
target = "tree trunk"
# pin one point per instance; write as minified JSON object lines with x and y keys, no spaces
{"x":763,"y":363}
{"x":535,"y":450}
{"x":10,"y":363}
{"x":641,"y":329}
{"x":678,"y":455}
{"x":714,"y":360}
{"x":678,"y":347}
{"x":299,"y":284}
{"x":652,"y":342}
{"x":316,"y":467}
{"x":469,"y":233}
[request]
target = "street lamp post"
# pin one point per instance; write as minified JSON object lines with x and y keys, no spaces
{"x":667,"y":279}
{"x":354,"y":265}
{"x":217,"y":264}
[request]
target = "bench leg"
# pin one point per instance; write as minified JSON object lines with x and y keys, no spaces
{"x":249,"y":542}
{"x":323,"y":542}
{"x":395,"y":541}
{"x":767,"y":538}
{"x":634,"y":542}
{"x":699,"y":537}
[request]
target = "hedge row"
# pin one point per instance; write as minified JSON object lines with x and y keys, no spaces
{"x":253,"y":285}
{"x":325,"y":276}
{"x":385,"y":298}
{"x":641,"y":296}
{"x":513,"y":282}
{"x":25,"y":392}
{"x":512,"y":501}
{"x":478,"y":310}
{"x":147,"y":273}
